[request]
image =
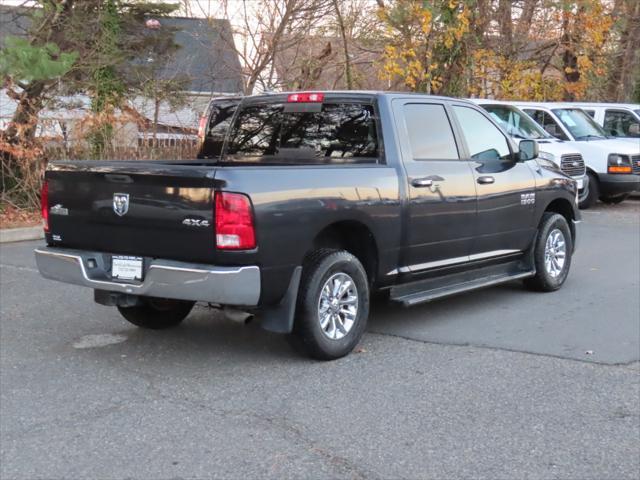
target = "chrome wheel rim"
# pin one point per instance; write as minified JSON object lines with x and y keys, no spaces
{"x":338,"y":306}
{"x":555,"y":253}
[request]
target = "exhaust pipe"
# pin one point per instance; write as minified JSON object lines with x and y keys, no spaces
{"x":237,"y":316}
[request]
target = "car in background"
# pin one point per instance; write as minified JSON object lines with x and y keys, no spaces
{"x":617,"y":119}
{"x":563,"y":155}
{"x":613,"y":164}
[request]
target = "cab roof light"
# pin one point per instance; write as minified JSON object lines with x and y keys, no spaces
{"x":305,"y":97}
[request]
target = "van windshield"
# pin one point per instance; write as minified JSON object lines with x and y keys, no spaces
{"x":516,"y":123}
{"x":296,"y":134}
{"x":581,"y":125}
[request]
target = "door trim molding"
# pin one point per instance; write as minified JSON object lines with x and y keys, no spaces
{"x":452,"y":261}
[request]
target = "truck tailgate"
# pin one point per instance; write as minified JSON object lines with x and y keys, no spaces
{"x":163,"y":210}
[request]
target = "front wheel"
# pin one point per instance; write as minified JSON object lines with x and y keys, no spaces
{"x":157,"y":313}
{"x":333,"y":305}
{"x":592,"y":194}
{"x":551,"y":254}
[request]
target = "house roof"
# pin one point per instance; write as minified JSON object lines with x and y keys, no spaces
{"x":206,"y":54}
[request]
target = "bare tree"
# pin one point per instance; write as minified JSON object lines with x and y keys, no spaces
{"x":264,"y":27}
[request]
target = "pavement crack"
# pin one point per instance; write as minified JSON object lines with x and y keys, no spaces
{"x":629,"y":365}
{"x":18,"y":267}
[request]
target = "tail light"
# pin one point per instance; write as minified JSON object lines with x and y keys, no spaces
{"x":202,"y":126}
{"x":44,"y":205}
{"x":305,"y":97}
{"x":235,"y":228}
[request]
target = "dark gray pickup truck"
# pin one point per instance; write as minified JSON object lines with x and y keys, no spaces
{"x":302,"y":205}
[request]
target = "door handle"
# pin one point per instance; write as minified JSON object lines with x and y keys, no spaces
{"x":421,"y":182}
{"x":426,"y":181}
{"x":486,"y":180}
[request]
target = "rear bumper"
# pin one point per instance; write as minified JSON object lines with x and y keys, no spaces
{"x":163,"y":278}
{"x":617,"y":184}
{"x":577,"y":230}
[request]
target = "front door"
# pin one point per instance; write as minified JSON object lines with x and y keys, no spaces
{"x":441,"y":189}
{"x":505,"y":187}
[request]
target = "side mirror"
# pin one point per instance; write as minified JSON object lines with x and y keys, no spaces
{"x":528,"y":150}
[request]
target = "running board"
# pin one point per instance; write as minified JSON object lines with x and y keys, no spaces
{"x":433,"y":288}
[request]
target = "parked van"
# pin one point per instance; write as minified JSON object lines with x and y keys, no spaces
{"x":617,"y":119}
{"x":613,"y":164}
{"x":564,"y":155}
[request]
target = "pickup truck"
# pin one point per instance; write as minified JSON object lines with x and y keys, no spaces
{"x":311,"y":202}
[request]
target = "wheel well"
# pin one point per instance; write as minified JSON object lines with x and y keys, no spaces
{"x":564,"y":208}
{"x":355,"y":238}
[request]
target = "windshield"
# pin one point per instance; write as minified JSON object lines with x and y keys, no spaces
{"x":581,"y":126}
{"x":637,"y":112}
{"x":516,"y":123}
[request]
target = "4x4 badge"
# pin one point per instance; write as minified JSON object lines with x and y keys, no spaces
{"x":121,"y":203}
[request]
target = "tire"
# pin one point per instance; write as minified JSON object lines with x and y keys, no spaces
{"x":616,"y":199}
{"x":549,"y":275}
{"x":157,"y":313}
{"x":317,"y":331}
{"x":594,"y":193}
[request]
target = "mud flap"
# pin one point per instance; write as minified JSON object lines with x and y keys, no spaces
{"x":279,"y":318}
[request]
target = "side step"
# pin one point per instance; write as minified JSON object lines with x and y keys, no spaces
{"x":433,"y":288}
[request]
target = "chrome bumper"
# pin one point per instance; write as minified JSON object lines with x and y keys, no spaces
{"x":163,"y":278}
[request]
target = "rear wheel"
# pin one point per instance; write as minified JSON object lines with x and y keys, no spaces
{"x":552,"y":253}
{"x":615,"y":199}
{"x":333,"y":305}
{"x":591,"y":198}
{"x":157,"y":313}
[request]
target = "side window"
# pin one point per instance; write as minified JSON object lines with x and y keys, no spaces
{"x":430,"y":133}
{"x":547,"y":122}
{"x":484,"y":140}
{"x":591,"y":113}
{"x":621,"y":124}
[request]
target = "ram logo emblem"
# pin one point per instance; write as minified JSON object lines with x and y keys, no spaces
{"x":121,"y":203}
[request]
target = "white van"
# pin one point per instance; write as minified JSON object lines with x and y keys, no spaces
{"x":520,"y":126}
{"x":617,"y":119}
{"x":613,"y":164}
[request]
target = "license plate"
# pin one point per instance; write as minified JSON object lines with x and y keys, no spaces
{"x":126,"y":268}
{"x":580,"y":184}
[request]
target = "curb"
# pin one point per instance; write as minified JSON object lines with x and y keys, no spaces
{"x":8,"y":235}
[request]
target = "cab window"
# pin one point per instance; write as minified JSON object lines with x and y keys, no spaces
{"x":485,"y":141}
{"x":621,"y":124}
{"x":547,"y":122}
{"x":430,"y":133}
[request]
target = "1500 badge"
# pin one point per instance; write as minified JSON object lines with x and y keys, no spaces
{"x":195,"y":222}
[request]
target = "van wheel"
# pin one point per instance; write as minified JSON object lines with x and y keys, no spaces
{"x":552,"y":254}
{"x":591,"y":198}
{"x":614,"y":200}
{"x":333,"y":305}
{"x":157,"y":313}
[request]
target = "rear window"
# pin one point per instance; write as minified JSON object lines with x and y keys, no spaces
{"x":289,"y":134}
{"x":220,"y":116}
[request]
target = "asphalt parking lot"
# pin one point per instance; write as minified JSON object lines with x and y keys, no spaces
{"x":500,"y":383}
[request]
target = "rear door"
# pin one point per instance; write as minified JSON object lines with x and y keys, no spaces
{"x":505,"y":187}
{"x":441,"y":188}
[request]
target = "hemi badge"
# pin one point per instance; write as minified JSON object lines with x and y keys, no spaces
{"x":58,"y":210}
